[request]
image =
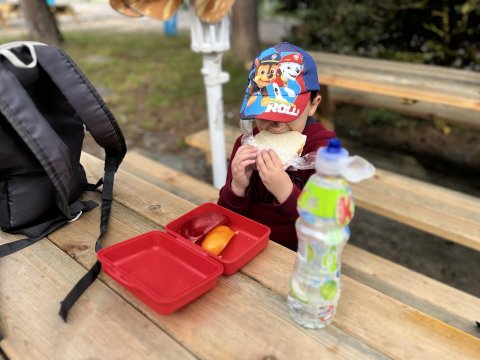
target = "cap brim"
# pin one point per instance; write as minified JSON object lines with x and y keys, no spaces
{"x":285,"y":109}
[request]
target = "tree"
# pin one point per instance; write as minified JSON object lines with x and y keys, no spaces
{"x":442,"y":32}
{"x":245,"y":40}
{"x":41,"y":23}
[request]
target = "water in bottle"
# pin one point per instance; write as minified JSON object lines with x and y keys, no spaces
{"x":326,"y":208}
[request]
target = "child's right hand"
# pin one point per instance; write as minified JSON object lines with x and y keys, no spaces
{"x":242,"y":168}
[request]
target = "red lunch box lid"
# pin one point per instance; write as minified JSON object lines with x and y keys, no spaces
{"x":166,"y":271}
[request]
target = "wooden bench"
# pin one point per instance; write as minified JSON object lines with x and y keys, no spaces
{"x":446,"y":213}
{"x":421,"y":110}
{"x":201,"y":140}
{"x":403,"y":87}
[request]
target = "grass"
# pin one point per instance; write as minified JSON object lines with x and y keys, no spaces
{"x":151,"y":81}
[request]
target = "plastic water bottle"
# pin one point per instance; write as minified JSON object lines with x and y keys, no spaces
{"x":326,"y":208}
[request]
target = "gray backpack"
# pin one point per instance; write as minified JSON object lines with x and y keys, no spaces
{"x":46,"y":103}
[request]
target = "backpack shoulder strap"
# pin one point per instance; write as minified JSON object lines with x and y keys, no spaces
{"x":84,"y":99}
{"x":98,"y":119}
{"x":52,"y":153}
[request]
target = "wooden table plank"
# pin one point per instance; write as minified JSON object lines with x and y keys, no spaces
{"x":401,"y":80}
{"x":171,"y":180}
{"x":432,"y":297}
{"x":425,"y":194}
{"x":411,"y":333}
{"x":198,"y":139}
{"x":398,"y":67}
{"x":391,"y":195}
{"x":433,"y":84}
{"x":103,"y":325}
{"x":408,"y":92}
{"x":364,"y":326}
{"x":236,"y":300}
{"x":380,"y":321}
{"x":214,"y":325}
{"x":391,"y":339}
{"x":419,"y":109}
{"x":459,"y":230}
{"x":245,"y":316}
{"x":412,"y":288}
{"x":136,"y":193}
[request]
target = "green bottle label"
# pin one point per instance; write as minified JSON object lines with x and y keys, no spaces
{"x":334,"y":204}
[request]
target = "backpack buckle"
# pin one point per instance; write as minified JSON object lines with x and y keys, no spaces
{"x":76,"y":217}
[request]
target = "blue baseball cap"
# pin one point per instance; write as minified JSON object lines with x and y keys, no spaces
{"x":279,"y":84}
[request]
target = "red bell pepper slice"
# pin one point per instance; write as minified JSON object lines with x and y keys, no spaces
{"x":196,"y":228}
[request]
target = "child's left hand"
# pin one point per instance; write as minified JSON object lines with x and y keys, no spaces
{"x":273,"y":175}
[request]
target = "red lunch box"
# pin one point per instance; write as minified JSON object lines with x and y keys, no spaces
{"x":166,"y":271}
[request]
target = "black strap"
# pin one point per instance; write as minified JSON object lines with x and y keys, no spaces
{"x":79,"y":289}
{"x":82,"y":285}
{"x":36,"y":235}
{"x":93,"y":187}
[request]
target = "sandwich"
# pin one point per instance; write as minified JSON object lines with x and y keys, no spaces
{"x":287,"y":145}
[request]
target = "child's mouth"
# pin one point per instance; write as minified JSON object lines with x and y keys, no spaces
{"x":277,"y":131}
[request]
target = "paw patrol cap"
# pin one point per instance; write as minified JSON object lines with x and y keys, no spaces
{"x":279,"y":84}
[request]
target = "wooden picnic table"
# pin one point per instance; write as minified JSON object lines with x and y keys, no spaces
{"x":425,"y":91}
{"x":385,"y":311}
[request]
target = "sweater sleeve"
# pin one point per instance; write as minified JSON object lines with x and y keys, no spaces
{"x":289,"y":206}
{"x":227,"y":198}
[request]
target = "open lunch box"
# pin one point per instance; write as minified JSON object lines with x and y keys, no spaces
{"x":167,"y":271}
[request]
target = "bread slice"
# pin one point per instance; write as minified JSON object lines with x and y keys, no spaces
{"x":286,"y":145}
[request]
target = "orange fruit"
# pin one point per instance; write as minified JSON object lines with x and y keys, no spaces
{"x":217,"y":238}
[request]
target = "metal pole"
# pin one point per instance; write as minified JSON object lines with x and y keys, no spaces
{"x":214,"y":78}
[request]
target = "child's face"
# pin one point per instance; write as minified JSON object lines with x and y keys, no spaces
{"x":298,"y":124}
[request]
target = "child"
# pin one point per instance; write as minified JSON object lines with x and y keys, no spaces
{"x":282,"y":95}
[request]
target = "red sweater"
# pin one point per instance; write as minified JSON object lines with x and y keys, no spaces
{"x":260,"y":205}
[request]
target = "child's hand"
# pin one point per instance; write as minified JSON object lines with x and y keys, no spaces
{"x":242,"y":168}
{"x":273,"y":175}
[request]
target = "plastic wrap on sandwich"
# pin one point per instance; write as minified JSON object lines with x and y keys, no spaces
{"x":288,"y":146}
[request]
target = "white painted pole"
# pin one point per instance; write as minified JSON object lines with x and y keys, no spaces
{"x":214,"y":78}
{"x":212,"y":40}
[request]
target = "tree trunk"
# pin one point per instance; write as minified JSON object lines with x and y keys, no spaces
{"x":245,"y":38}
{"x":42,"y":25}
